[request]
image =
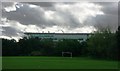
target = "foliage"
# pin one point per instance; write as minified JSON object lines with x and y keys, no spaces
{"x":118,"y":41}
{"x":9,"y":47}
{"x":103,"y":44}
{"x":68,"y":45}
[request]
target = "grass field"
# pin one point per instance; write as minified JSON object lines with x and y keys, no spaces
{"x":56,"y":63}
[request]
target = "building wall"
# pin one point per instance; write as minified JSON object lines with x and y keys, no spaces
{"x":71,"y":36}
{"x":58,"y":36}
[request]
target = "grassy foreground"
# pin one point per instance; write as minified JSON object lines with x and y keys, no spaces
{"x":56,"y":63}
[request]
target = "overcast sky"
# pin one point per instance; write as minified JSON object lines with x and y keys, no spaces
{"x":69,"y":17}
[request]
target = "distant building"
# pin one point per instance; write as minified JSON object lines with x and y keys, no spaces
{"x":59,"y":36}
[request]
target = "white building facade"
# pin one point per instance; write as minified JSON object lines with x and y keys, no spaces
{"x":59,"y":36}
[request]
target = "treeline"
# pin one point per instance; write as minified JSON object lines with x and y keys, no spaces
{"x":44,"y":47}
{"x":101,"y":44}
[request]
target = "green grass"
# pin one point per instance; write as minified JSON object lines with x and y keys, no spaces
{"x":56,"y":63}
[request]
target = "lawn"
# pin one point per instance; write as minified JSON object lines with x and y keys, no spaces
{"x":56,"y":63}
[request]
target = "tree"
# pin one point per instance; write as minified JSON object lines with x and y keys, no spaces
{"x":118,"y":41}
{"x":29,"y":45}
{"x":9,"y":47}
{"x":103,"y":44}
{"x":68,"y":45}
{"x":47,"y":46}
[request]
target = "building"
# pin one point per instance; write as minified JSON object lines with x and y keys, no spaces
{"x":59,"y":36}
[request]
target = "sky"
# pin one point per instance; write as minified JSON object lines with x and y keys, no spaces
{"x":56,"y":17}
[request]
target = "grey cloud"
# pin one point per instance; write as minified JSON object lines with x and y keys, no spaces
{"x":26,"y":15}
{"x":110,"y":21}
{"x":119,"y":13}
{"x":47,"y":4}
{"x":35,"y":16}
{"x":69,"y":19}
{"x":9,"y":31}
{"x":110,"y":18}
{"x":7,"y":4}
{"x":43,"y":4}
{"x":109,"y":7}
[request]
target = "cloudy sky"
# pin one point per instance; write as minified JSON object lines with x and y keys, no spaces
{"x":57,"y":17}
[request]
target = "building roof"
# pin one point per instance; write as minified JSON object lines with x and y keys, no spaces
{"x":60,"y":33}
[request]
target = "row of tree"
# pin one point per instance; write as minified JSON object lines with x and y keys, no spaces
{"x":102,"y":44}
{"x":45,"y":47}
